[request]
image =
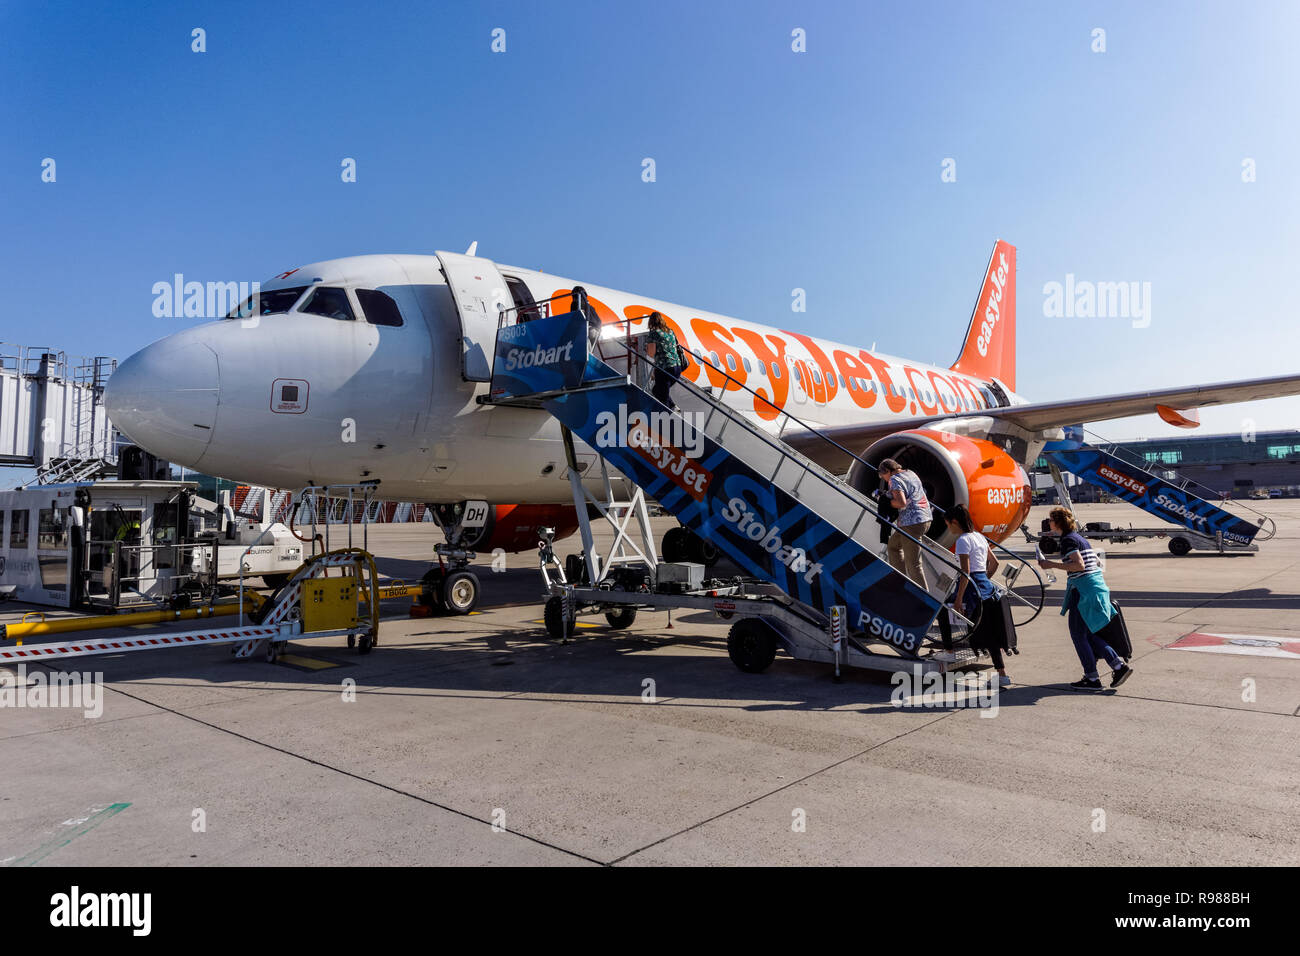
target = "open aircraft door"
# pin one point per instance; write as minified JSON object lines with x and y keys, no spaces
{"x":480,"y":293}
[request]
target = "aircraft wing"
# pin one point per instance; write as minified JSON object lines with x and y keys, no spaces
{"x":1044,"y":415}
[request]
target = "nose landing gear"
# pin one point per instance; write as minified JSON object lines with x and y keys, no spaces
{"x":452,"y":588}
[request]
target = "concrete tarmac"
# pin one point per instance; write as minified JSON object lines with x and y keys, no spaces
{"x":478,"y":740}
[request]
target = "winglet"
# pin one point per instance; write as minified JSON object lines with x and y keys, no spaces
{"x":473,"y":248}
{"x":990,"y":347}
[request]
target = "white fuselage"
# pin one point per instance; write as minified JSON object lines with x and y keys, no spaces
{"x":392,"y":403}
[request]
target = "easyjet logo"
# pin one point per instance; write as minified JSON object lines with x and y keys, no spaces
{"x":1123,"y":480}
{"x":763,"y":360}
{"x":993,"y":311}
{"x":676,"y":465}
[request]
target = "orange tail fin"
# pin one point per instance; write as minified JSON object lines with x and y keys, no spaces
{"x":990,"y":349}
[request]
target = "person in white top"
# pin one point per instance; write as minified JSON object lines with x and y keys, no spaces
{"x":978,"y":561}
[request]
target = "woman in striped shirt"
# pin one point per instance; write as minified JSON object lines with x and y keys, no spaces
{"x":1087,"y":601}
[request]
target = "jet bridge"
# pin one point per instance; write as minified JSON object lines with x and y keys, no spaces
{"x":52,"y":415}
{"x":805,"y":541}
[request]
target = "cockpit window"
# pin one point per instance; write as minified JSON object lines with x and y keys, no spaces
{"x":268,"y":303}
{"x":329,"y":302}
{"x":379,"y":307}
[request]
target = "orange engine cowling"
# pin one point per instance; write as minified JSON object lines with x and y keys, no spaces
{"x":518,"y":527}
{"x":956,"y":470}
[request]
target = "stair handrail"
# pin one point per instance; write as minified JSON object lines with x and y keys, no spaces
{"x":938,"y":553}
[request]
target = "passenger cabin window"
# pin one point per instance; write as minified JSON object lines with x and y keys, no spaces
{"x":776,"y":370}
{"x":264,"y":302}
{"x":329,"y":302}
{"x":18,"y":529}
{"x":731,"y":362}
{"x":379,"y":307}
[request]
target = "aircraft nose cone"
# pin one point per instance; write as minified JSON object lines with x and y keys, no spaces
{"x":164,"y":398}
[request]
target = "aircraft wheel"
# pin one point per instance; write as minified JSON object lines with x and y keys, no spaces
{"x":460,"y":592}
{"x":751,"y":645}
{"x":675,"y":545}
{"x":553,"y":615}
{"x":1179,"y":546}
{"x":431,"y":589}
{"x":621,"y":618}
{"x":704,"y":552}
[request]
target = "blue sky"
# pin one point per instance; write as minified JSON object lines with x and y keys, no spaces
{"x":775,"y":170}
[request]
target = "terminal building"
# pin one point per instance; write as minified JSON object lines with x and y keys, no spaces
{"x":1262,"y":465}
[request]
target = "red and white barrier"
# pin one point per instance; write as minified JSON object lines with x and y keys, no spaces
{"x":44,"y":652}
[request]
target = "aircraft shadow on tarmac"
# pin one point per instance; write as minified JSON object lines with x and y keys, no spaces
{"x":446,"y":658}
{"x":449,"y":655}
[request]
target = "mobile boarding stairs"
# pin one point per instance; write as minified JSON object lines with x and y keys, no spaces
{"x":1199,"y":523}
{"x":804,"y":540}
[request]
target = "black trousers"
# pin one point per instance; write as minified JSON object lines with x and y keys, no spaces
{"x":664,"y":381}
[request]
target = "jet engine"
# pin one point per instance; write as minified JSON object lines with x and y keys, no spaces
{"x":956,"y":470}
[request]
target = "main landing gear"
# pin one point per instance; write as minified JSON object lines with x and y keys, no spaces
{"x":682,"y":544}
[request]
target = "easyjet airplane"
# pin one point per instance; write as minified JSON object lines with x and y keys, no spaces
{"x":371,"y":367}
